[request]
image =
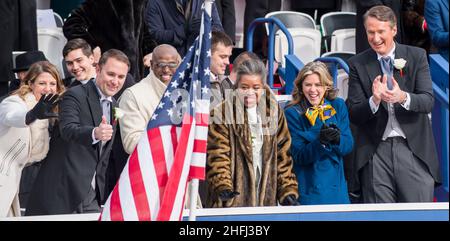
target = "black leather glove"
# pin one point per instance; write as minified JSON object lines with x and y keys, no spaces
{"x":290,"y":200}
{"x":43,"y":109}
{"x":328,"y":134}
{"x":227,"y":194}
{"x":337,"y":139}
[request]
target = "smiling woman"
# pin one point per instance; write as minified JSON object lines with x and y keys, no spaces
{"x":319,"y":126}
{"x":24,"y":129}
{"x":248,"y":141}
{"x":250,"y":82}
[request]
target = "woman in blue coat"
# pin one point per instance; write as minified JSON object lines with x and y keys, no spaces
{"x":319,"y":126}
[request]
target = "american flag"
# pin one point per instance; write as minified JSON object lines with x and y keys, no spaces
{"x":172,"y":151}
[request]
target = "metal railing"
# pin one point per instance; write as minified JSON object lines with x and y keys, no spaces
{"x":439,"y":75}
{"x":335,"y":62}
{"x":271,"y":22}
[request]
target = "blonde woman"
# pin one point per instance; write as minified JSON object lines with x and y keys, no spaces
{"x":319,"y":126}
{"x":24,"y":135}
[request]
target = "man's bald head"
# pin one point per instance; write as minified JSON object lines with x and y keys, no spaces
{"x":165,"y":61}
{"x":165,"y":49}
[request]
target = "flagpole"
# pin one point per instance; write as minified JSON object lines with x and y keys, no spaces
{"x":195,"y":182}
{"x":193,"y":199}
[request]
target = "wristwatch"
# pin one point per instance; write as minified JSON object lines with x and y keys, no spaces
{"x":404,"y":100}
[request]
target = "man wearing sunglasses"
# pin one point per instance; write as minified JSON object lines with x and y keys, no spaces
{"x":139,"y":101}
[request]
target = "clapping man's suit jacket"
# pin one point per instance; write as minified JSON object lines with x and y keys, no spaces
{"x":416,"y":81}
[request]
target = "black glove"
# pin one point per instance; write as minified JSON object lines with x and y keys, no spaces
{"x":337,"y":139}
{"x":328,"y":135}
{"x":43,"y":109}
{"x":290,"y":200}
{"x":226,"y":195}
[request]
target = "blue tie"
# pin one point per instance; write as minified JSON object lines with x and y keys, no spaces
{"x":106,"y":109}
{"x":386,"y":67}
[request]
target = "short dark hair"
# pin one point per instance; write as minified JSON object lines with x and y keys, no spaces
{"x":113,"y":53}
{"x":220,"y":37}
{"x":382,"y":13}
{"x":77,"y":43}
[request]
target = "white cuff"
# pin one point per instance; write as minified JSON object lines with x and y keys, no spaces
{"x":407,"y":102}
{"x":94,"y":141}
{"x":373,"y":106}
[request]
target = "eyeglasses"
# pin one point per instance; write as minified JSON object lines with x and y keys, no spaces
{"x":170,"y":65}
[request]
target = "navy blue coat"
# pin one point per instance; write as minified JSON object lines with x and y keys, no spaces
{"x":319,"y":169}
{"x":167,"y":23}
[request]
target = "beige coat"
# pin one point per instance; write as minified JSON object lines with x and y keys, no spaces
{"x":20,"y":145}
{"x":138,"y":104}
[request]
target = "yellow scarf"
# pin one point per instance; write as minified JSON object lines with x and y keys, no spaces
{"x":323,"y":111}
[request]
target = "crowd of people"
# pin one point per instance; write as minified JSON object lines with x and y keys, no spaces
{"x":64,"y":146}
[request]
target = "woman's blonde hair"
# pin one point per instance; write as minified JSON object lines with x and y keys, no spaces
{"x":33,"y":72}
{"x":321,"y":70}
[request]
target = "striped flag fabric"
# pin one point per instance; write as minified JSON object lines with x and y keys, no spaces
{"x":172,"y":151}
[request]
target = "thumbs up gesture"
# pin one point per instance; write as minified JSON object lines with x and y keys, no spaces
{"x":104,"y":131}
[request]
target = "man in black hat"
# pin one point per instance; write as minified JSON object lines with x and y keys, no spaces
{"x":23,"y":63}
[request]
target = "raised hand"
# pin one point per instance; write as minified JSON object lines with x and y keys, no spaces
{"x":396,"y":95}
{"x":337,"y":138}
{"x":104,"y":131}
{"x":43,"y":108}
{"x":379,"y":86}
{"x":328,"y":135}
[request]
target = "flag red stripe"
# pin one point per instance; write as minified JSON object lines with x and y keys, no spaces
{"x":176,"y":171}
{"x":138,"y":188}
{"x":200,"y":146}
{"x":173,"y":133}
{"x":201,"y":119}
{"x":176,"y":153}
{"x":115,"y":211}
{"x":196,"y":173}
{"x":159,"y":161}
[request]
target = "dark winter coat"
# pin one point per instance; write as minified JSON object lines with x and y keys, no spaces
{"x":115,"y":24}
{"x":168,"y":23}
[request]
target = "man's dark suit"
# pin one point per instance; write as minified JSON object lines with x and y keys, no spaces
{"x":66,"y":174}
{"x":415,"y":123}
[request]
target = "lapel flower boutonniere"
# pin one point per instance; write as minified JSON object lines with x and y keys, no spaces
{"x":118,"y":113}
{"x":400,"y":64}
